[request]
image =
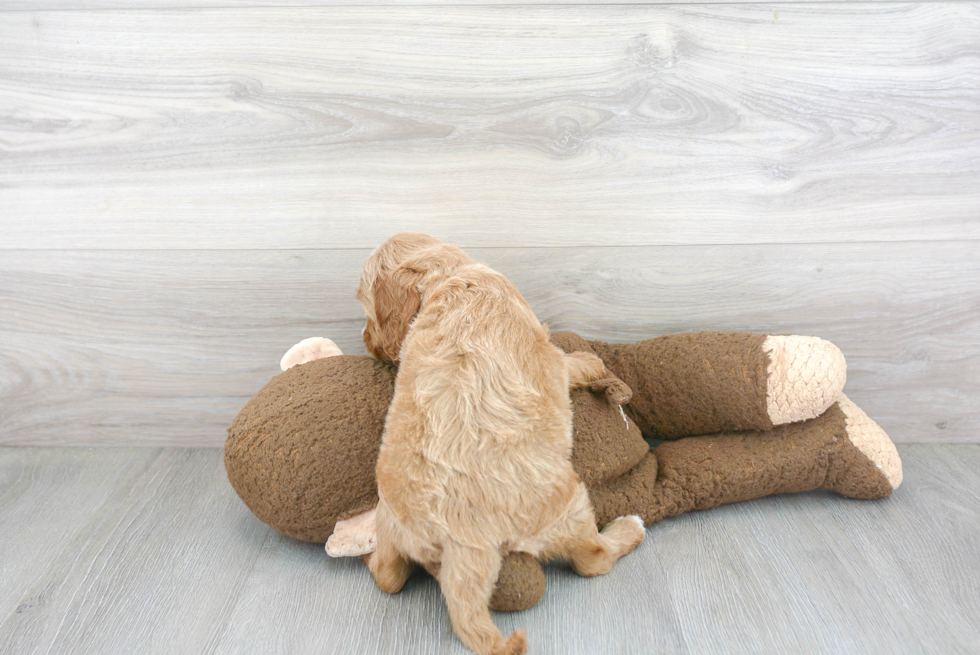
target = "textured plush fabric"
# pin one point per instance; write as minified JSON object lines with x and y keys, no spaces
{"x":707,"y":471}
{"x":693,"y":383}
{"x":805,"y":376}
{"x":520,"y":584}
{"x":607,"y":443}
{"x":302,"y":451}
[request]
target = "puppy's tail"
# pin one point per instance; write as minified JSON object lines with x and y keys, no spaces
{"x":467,"y":577}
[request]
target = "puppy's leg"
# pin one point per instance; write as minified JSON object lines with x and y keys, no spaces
{"x":597,"y":551}
{"x":587,"y":370}
{"x":583,"y":369}
{"x":592,"y":552}
{"x":467,"y":576}
{"x":388,"y":565}
{"x":389,"y":568}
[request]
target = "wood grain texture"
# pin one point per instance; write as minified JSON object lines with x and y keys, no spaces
{"x":150,"y":573}
{"x":166,"y":346}
{"x":174,"y":562}
{"x":56,"y":5}
{"x":835,"y":575}
{"x":945,"y":480}
{"x":344,"y":612}
{"x":491,"y":126}
{"x":48,"y":501}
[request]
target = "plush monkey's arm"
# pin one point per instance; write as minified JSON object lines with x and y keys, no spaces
{"x":708,"y":382}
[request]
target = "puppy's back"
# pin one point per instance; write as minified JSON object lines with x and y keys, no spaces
{"x":494,"y":397}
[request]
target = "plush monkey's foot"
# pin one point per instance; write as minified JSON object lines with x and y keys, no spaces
{"x":867,"y":465}
{"x":355,"y":536}
{"x":805,"y":377}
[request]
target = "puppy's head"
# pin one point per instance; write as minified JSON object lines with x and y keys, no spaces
{"x":391,"y":288}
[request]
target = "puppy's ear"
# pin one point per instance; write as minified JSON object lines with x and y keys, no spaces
{"x":396,"y":301}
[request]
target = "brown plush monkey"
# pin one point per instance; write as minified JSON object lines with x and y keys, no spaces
{"x":744,"y":416}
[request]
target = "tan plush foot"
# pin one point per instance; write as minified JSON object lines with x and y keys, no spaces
{"x":355,"y":536}
{"x":805,"y":377}
{"x":307,"y":350}
{"x":868,"y":437}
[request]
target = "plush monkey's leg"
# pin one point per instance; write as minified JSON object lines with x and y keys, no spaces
{"x":841,"y":450}
{"x":707,"y":382}
{"x":867,"y":445}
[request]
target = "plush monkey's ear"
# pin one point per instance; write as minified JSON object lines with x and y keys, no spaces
{"x":396,"y":301}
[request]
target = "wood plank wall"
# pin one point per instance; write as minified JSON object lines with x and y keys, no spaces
{"x":189,"y":187}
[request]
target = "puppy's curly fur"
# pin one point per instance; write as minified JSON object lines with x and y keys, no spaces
{"x":475,"y":458}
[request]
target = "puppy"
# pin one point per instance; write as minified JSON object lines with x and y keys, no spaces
{"x":475,"y":457}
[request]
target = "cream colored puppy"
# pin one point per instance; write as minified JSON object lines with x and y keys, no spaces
{"x":475,"y":458}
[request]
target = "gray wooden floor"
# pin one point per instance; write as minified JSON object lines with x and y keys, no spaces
{"x":145,"y":550}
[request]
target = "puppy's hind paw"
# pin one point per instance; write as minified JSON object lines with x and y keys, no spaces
{"x":627,"y":532}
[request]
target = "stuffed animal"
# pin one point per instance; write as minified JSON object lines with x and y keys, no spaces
{"x":769,"y":411}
